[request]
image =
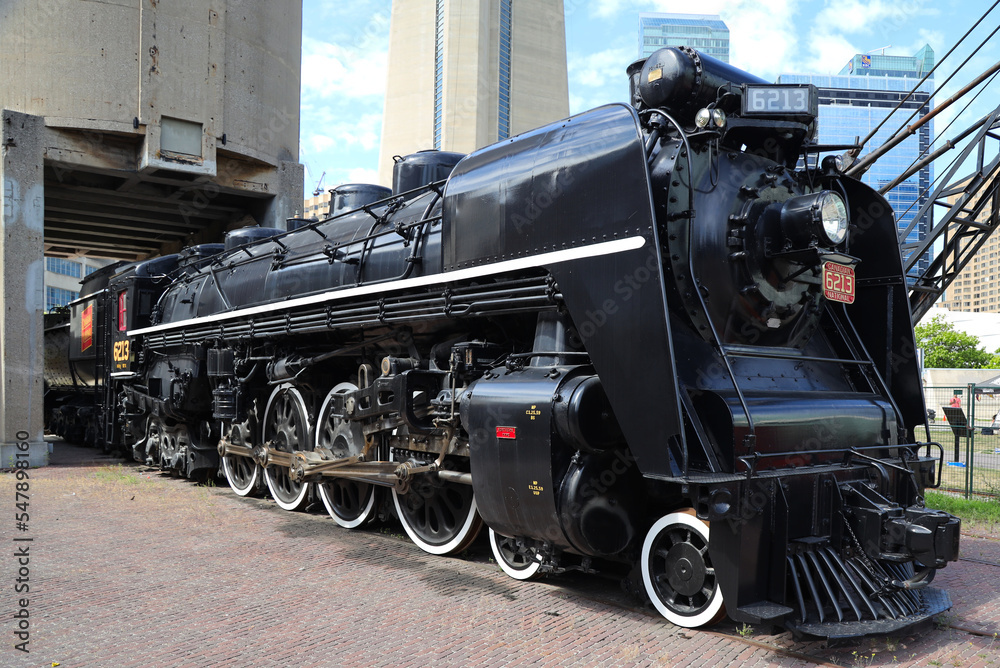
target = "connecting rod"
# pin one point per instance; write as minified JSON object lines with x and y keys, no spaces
{"x":311,"y":466}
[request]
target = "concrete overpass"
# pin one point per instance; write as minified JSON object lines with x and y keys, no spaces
{"x":129,"y":130}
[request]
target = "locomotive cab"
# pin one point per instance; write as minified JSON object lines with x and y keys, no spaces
{"x":132,"y":295}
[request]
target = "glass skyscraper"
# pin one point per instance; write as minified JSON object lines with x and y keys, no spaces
{"x":861,"y":96}
{"x":704,"y":32}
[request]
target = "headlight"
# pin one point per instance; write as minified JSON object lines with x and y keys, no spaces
{"x":834,"y":216}
{"x":815,"y":218}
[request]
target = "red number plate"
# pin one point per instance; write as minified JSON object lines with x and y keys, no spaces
{"x":838,"y":283}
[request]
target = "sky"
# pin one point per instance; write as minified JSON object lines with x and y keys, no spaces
{"x":345,"y":50}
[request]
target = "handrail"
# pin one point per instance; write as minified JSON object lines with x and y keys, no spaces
{"x":751,"y":438}
{"x":750,"y":461}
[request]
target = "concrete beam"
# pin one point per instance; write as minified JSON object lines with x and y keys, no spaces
{"x":22,"y":298}
{"x":76,"y":218}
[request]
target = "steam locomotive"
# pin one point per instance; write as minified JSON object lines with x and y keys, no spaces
{"x":664,"y":334}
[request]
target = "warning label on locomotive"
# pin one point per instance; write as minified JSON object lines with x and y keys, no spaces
{"x":838,"y":283}
{"x":506,"y":432}
{"x":87,"y":328}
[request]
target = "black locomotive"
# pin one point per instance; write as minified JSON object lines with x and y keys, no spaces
{"x":658,"y":334}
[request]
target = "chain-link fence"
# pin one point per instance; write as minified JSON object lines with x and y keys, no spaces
{"x":964,"y":421}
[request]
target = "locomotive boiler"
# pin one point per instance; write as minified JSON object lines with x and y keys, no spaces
{"x":663,"y":334}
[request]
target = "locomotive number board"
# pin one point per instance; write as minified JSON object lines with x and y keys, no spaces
{"x":121,"y":354}
{"x":797,"y":100}
{"x":838,"y":283}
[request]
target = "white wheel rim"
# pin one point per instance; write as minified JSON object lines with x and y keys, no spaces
{"x":714,"y":604}
{"x":231,"y":477}
{"x":366,"y":514}
{"x":444,"y":548}
{"x":347,"y":524}
{"x":525,"y":573}
{"x":270,"y":472}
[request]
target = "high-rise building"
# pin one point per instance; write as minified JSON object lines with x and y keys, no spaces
{"x":862,"y":95}
{"x":464,"y":74}
{"x":976,"y":289}
{"x":705,"y":32}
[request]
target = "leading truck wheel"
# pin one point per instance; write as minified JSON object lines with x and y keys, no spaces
{"x":517,"y":561}
{"x":677,"y":571}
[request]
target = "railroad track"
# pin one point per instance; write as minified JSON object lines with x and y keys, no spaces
{"x":979,"y":561}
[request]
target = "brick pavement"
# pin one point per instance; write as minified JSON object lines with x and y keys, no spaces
{"x":130,"y":568}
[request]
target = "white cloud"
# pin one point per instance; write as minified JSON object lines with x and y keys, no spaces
{"x":602,"y":8}
{"x":828,"y":53}
{"x":336,"y":71}
{"x":839,"y":26}
{"x":871,"y":17}
{"x":924,"y":36}
{"x":362,"y":175}
{"x":318,"y":143}
{"x":329,"y":130}
{"x":762,"y":36}
{"x":601,"y":68}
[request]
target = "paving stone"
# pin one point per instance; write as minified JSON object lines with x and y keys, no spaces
{"x":131,"y":568}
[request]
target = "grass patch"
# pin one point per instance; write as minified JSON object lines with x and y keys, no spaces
{"x":972,"y":511}
{"x":117,"y":473}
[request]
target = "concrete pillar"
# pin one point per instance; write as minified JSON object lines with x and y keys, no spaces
{"x":22,"y":299}
{"x":288,"y":203}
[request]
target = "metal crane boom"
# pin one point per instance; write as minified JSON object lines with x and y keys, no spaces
{"x":972,"y":205}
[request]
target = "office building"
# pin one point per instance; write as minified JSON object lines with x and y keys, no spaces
{"x":464,"y":74}
{"x":861,"y":96}
{"x":317,"y":206}
{"x":976,"y":289}
{"x":705,"y":32}
{"x":63,"y":276}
